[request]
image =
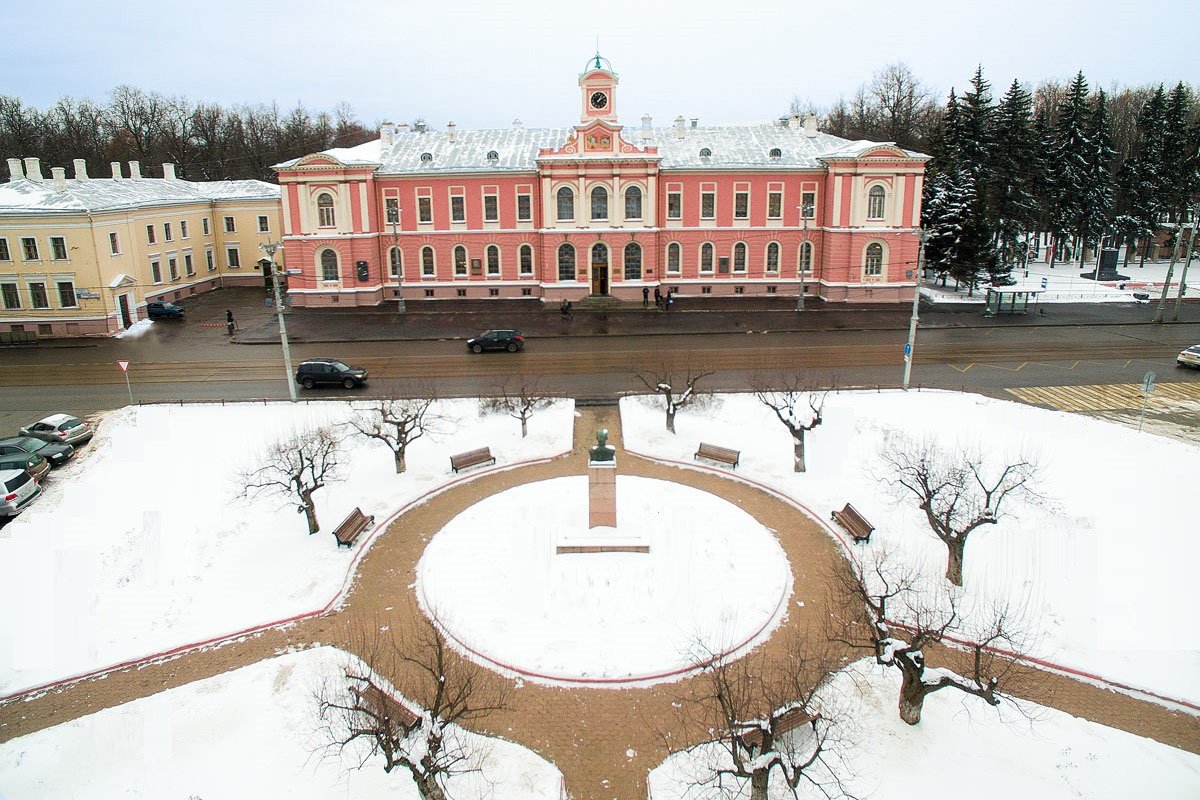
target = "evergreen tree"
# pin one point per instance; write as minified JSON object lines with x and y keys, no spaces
{"x":1097,"y":201}
{"x":1072,"y":153}
{"x":1179,"y":152}
{"x":1012,"y":179}
{"x":976,"y":125}
{"x":1142,"y":173}
{"x":974,"y":251}
{"x":1041,"y":172}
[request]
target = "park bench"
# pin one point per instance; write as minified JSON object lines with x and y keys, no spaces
{"x":351,"y":527}
{"x":382,"y":707}
{"x":722,"y":454}
{"x":787,"y":721}
{"x":854,"y":523}
{"x":472,"y":458}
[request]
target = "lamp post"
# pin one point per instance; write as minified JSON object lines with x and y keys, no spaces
{"x":805,"y":210}
{"x":269,"y":248}
{"x":395,"y":221}
{"x":912,"y":323}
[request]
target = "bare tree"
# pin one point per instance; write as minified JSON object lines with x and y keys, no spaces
{"x":519,"y":400}
{"x":397,"y":423}
{"x":676,"y":387}
{"x":958,"y":492}
{"x":406,"y":697}
{"x":799,"y":409}
{"x":903,"y":105}
{"x":296,"y":467}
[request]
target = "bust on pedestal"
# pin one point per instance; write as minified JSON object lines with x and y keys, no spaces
{"x":602,"y":483}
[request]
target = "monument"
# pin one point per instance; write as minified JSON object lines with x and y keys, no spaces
{"x":602,"y":483}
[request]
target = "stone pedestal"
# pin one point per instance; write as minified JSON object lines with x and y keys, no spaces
{"x":602,"y":494}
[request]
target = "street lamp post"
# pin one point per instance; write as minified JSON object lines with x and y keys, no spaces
{"x":269,"y":248}
{"x":805,"y":210}
{"x":395,"y":221}
{"x":912,"y":323}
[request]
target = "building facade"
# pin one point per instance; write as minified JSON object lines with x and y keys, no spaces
{"x":82,"y":256}
{"x":598,"y":209}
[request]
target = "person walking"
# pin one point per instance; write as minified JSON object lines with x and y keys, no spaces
{"x":645,"y":297}
{"x":658,"y":298}
{"x":570,"y":314}
{"x":230,"y":326}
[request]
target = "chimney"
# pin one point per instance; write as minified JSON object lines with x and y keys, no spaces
{"x":135,"y":170}
{"x":387,"y":134}
{"x":450,"y":130}
{"x":795,"y":122}
{"x":517,"y":124}
{"x":647,"y":126}
{"x":420,"y":127}
{"x":33,"y":169}
{"x":810,"y":125}
{"x":116,"y":169}
{"x":168,"y":171}
{"x":695,"y":122}
{"x":679,"y":129}
{"x":59,"y":175}
{"x":80,"y":170}
{"x":16,"y":171}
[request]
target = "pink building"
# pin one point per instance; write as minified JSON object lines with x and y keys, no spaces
{"x":597,"y":209}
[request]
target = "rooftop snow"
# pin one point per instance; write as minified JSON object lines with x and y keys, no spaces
{"x":108,"y":194}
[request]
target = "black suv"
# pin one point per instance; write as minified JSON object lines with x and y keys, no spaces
{"x":56,"y":454}
{"x":512,"y":341}
{"x":329,"y":371}
{"x":158,"y":310}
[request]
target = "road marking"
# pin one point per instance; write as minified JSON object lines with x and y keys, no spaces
{"x":1106,"y":397}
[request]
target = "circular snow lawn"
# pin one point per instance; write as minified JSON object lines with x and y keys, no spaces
{"x":714,"y":581}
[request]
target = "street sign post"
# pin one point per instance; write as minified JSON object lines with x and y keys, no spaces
{"x":124,"y":365}
{"x":1148,"y":388}
{"x":907,"y":352}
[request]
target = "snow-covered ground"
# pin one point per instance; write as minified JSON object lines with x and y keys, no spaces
{"x":714,"y":577}
{"x":1064,"y":284}
{"x":141,"y":544}
{"x":247,"y":733}
{"x":1103,"y":574}
{"x":960,"y":749}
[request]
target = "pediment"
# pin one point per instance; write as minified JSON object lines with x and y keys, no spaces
{"x":318,"y":160}
{"x":596,"y":139}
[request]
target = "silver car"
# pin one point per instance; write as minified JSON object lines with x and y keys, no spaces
{"x":61,"y":429}
{"x":19,"y":490}
{"x":1189,"y":357}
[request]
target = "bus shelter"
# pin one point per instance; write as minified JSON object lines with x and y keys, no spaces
{"x":1009,"y":300}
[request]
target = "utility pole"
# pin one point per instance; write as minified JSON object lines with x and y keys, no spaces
{"x":912,"y":323}
{"x":1187,"y":260}
{"x":269,"y":248}
{"x":1162,"y":301}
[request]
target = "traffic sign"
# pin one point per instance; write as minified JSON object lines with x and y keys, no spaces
{"x":124,"y":365}
{"x":907,"y":350}
{"x":1148,"y":382}
{"x":1043,"y":283}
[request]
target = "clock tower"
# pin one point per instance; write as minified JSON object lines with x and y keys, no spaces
{"x":597,"y":86}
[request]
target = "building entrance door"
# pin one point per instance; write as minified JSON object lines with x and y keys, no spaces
{"x":599,"y":269}
{"x":123,"y":302}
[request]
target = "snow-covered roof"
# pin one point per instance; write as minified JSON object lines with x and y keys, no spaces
{"x":730,"y":147}
{"x":108,"y":194}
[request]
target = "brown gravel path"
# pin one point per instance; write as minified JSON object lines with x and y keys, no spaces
{"x":603,"y":740}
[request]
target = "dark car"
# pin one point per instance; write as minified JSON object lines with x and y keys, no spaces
{"x":329,"y":372}
{"x":509,"y":340}
{"x":163,"y":310}
{"x":34,"y":463}
{"x":56,"y":454}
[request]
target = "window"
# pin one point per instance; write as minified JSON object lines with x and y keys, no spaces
{"x":741,"y":205}
{"x":233,"y":257}
{"x":264,"y":224}
{"x":633,"y":203}
{"x":7,"y":256}
{"x":491,"y":208}
{"x":808,"y":205}
{"x":58,"y":248}
{"x":633,"y":262}
{"x":458,"y":208}
{"x":493,"y":155}
{"x":775,"y":153}
{"x":395,"y":263}
{"x":37,"y":294}
{"x":167,"y":232}
{"x":155,"y":272}
{"x":424,"y":209}
{"x":12,"y":298}
{"x":66,"y":295}
{"x":566,"y":205}
{"x":806,"y":257}
{"x":708,"y":205}
{"x":773,"y":257}
{"x":329,"y":265}
{"x":460,"y":261}
{"x":874,"y":263}
{"x":188,"y":266}
{"x":673,"y":258}
{"x":526,"y":259}
{"x":674,"y":205}
{"x":493,"y":259}
{"x":391,"y":210}
{"x":875,"y":200}
{"x":231,"y":228}
{"x":173,"y":268}
{"x":599,"y":203}
{"x":774,"y":205}
{"x":566,"y":262}
{"x":209,"y":261}
{"x":426,"y":158}
{"x":325,"y":215}
{"x":705,"y":152}
{"x":204,"y":226}
{"x":29,"y":246}
{"x":524,"y":208}
{"x":428,"y":265}
{"x":183,"y":232}
{"x":706,"y":257}
{"x":150,"y":235}
{"x":739,"y":257}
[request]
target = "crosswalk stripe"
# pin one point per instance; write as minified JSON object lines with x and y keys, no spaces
{"x":1106,"y":397}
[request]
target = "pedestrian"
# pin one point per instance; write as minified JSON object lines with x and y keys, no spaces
{"x":645,"y":296}
{"x":570,"y":314}
{"x":658,"y":298}
{"x":229,"y":324}
{"x":670,"y":299}
{"x":563,"y":308}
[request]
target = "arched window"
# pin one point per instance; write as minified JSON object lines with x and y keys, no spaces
{"x":673,"y":258}
{"x":739,"y":257}
{"x":493,"y":155}
{"x":705,"y":152}
{"x":633,"y":203}
{"x":773,"y":257}
{"x":566,"y":204}
{"x":325,"y":216}
{"x":706,"y":257}
{"x":460,"y":261}
{"x":633,"y":262}
{"x":874,"y":260}
{"x":806,"y":257}
{"x":428,"y":264}
{"x":875,"y":200}
{"x":396,"y":262}
{"x":493,"y":259}
{"x":526,"y":259}
{"x":775,"y":153}
{"x":566,"y":262}
{"x":329,"y":265}
{"x":426,"y":157}
{"x":599,"y":203}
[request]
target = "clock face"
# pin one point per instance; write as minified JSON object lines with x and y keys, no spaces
{"x":599,"y":100}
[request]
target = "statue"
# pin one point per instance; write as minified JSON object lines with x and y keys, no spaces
{"x":603,"y":451}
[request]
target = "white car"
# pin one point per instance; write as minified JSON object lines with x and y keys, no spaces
{"x":18,"y":489}
{"x":1189,"y":357}
{"x":61,"y":429}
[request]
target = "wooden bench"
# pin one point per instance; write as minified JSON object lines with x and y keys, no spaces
{"x":385,"y":709}
{"x":787,"y":721}
{"x":714,"y":453}
{"x":351,"y":527}
{"x":854,"y":523}
{"x":472,"y":458}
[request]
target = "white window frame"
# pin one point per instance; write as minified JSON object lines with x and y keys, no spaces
{"x":521,"y":251}
{"x":428,"y":266}
{"x":641,"y":263}
{"x":488,"y":252}
{"x":114,"y":243}
{"x":767,"y":266}
{"x":707,"y":249}
{"x":233,"y":249}
{"x":173,"y":267}
{"x":189,"y":268}
{"x":495,"y":203}
{"x":59,"y":284}
{"x":425,"y":210}
{"x":210,"y":259}
{"x":183,"y":229}
{"x":168,"y":235}
{"x":741,"y":195}
{"x":641,"y":200}
{"x":264,"y":223}
{"x":774,"y":205}
{"x":461,"y":197}
{"x":528,"y":209}
{"x":677,"y":267}
{"x":592,"y":216}
{"x":5,"y":251}
{"x":711,"y":198}
{"x":874,"y":270}
{"x":62,"y":240}
{"x":324,"y":267}
{"x":677,"y":211}
{"x":26,"y":241}
{"x":566,"y":247}
{"x":326,"y":212}
{"x":230,"y":225}
{"x":558,"y":204}
{"x":156,"y":271}
{"x":151,"y":235}
{"x":395,"y":262}
{"x":461,"y":265}
{"x":876,"y":202}
{"x":204,"y":227}
{"x":805,"y":266}
{"x":33,"y":297}
{"x":15,"y":296}
{"x":744,"y":251}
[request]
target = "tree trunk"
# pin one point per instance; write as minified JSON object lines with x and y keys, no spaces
{"x":671,"y":419}
{"x":428,"y":789}
{"x":912,"y":698}
{"x":400,"y":463}
{"x":760,"y":781}
{"x":524,"y":427}
{"x":310,"y":511}
{"x":798,"y":450}
{"x":955,"y":550}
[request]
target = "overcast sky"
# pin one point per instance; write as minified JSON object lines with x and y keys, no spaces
{"x":481,"y":64}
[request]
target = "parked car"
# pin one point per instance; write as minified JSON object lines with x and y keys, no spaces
{"x":57,"y":454}
{"x":18,"y":489}
{"x":59,"y":428}
{"x":164,"y":310}
{"x":1189,"y":357}
{"x":509,"y":340}
{"x":329,"y":372}
{"x":34,"y":463}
